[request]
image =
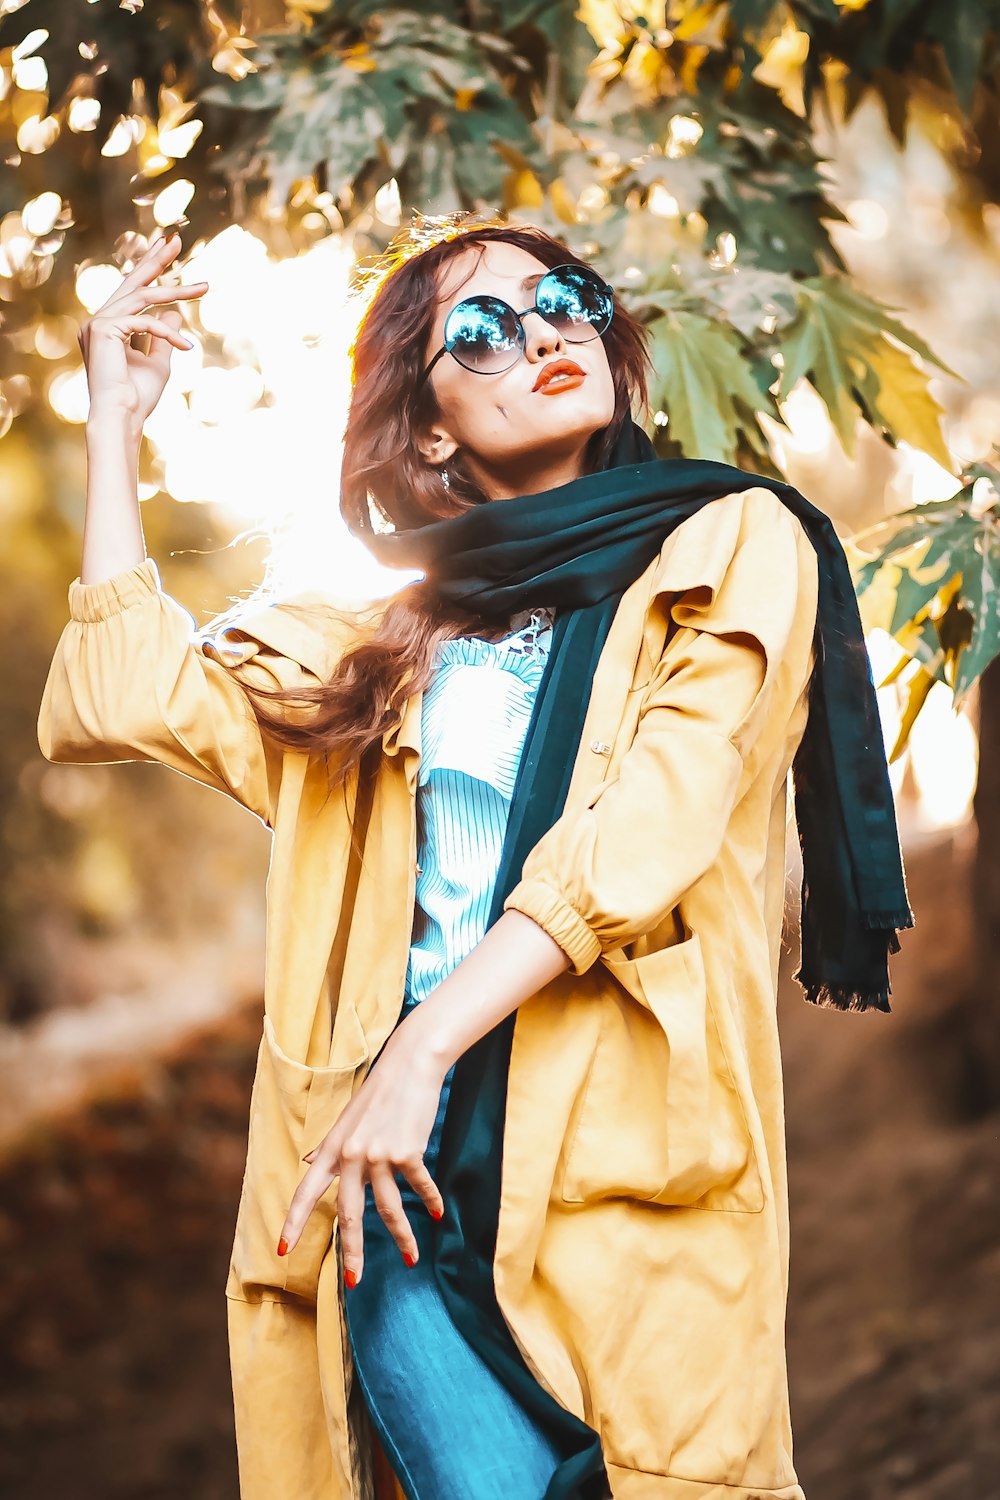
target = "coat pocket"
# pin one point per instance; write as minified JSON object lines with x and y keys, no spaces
{"x":292,"y":1106}
{"x":660,"y":1118}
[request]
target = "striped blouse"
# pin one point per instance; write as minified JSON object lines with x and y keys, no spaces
{"x":474,"y":719}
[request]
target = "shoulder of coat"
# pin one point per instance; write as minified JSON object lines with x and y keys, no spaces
{"x":699,"y":552}
{"x":311,"y":628}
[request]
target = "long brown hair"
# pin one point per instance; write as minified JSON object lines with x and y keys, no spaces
{"x":393,"y":650}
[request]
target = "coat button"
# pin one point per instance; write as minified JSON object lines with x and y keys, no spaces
{"x":600,"y":747}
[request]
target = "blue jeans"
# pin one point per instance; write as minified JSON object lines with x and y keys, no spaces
{"x":448,"y":1425}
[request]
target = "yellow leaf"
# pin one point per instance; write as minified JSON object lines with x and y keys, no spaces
{"x":878,"y":601}
{"x":691,"y":65}
{"x":358,"y":58}
{"x":464,"y":98}
{"x":647,"y":72}
{"x":698,"y":16}
{"x":603,"y":20}
{"x":920,"y":686}
{"x":562,"y":201}
{"x":522,"y":190}
{"x":894,"y":673}
{"x":906,"y":405}
{"x":782,"y":64}
{"x":733,"y":78}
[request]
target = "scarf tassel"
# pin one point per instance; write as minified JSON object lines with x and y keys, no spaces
{"x":877,"y":921}
{"x":843,"y":996}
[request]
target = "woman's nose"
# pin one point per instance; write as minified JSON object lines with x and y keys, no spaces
{"x":541,"y":340}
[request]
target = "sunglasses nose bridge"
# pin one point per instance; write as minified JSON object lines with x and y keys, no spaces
{"x":532,"y":333}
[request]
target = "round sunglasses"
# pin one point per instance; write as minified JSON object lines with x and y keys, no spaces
{"x":487,"y":336}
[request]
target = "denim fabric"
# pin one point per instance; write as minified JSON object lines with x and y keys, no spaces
{"x":448,"y":1425}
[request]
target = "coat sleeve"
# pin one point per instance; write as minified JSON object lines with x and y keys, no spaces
{"x":131,"y":678}
{"x":739,"y":583}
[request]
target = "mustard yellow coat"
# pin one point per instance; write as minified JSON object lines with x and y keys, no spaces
{"x":642,"y":1251}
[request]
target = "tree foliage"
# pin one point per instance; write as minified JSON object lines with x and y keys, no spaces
{"x":934,"y":583}
{"x":673,"y":146}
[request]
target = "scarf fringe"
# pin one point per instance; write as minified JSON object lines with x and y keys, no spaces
{"x":844,"y":996}
{"x":876,"y":921}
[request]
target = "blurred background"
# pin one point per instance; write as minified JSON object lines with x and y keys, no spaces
{"x":802,"y":199}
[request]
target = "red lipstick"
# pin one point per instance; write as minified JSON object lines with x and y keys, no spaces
{"x":559,"y":375}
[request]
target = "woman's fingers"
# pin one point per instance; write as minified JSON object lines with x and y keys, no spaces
{"x":134,"y":293}
{"x":305,"y":1198}
{"x":350,"y":1214}
{"x":423,"y":1183}
{"x":144,"y":296}
{"x":389,"y":1203}
{"x":142,"y":323}
{"x":155,"y":261}
{"x":157,"y":256}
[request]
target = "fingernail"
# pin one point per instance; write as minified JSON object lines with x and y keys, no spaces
{"x":437,"y":1213}
{"x":410,"y":1260}
{"x":189,"y":344}
{"x":282,"y":1246}
{"x":350,"y":1277}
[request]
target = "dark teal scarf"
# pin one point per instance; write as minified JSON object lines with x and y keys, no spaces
{"x":578,"y":547}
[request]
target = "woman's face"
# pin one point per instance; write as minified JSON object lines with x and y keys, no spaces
{"x":518,"y":431}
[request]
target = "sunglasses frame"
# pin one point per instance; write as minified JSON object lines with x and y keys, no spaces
{"x":522,"y":336}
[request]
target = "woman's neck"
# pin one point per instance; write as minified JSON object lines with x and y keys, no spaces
{"x":529,"y":477}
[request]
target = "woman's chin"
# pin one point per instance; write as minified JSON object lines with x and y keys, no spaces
{"x":569,"y":416}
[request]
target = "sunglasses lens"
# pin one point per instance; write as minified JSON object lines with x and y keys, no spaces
{"x":483,"y":334}
{"x":576,"y":301}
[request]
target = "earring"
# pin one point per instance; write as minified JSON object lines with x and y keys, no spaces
{"x":446,"y":481}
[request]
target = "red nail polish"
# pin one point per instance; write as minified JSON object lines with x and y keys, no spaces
{"x":437,"y":1213}
{"x":282,"y":1246}
{"x":410,"y":1260}
{"x":350,"y":1277}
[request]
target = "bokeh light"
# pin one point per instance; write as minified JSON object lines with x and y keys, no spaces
{"x":252,"y":418}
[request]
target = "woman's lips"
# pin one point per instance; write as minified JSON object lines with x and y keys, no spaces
{"x":560,"y":375}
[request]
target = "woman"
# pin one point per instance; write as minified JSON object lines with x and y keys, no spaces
{"x":524,"y":902}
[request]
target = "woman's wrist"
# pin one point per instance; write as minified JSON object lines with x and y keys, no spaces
{"x":113,"y":427}
{"x":425,"y":1033}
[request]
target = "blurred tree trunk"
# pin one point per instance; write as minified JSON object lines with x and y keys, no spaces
{"x":984,"y":1006}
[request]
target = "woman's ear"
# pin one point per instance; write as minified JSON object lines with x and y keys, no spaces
{"x":436,"y":444}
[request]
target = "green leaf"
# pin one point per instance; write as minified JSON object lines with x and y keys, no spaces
{"x":878,"y":317}
{"x":914,"y":593}
{"x":980,"y":595}
{"x":928,"y":650}
{"x":702,"y":383}
{"x":838,"y":342}
{"x":962,"y":27}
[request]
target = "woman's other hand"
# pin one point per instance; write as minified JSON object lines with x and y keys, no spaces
{"x":384,"y":1129}
{"x":123,"y":380}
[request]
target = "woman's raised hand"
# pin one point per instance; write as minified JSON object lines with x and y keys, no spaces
{"x":124,"y":380}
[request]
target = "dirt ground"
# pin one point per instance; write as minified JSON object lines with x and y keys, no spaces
{"x":116,"y":1225}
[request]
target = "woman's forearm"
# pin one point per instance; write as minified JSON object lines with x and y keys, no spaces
{"x":112,"y":529}
{"x":512,"y":962}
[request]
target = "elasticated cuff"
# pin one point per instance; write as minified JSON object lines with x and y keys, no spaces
{"x":561,"y":921}
{"x":110,"y":596}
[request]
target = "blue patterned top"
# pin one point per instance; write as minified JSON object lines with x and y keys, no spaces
{"x":474,"y":719}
